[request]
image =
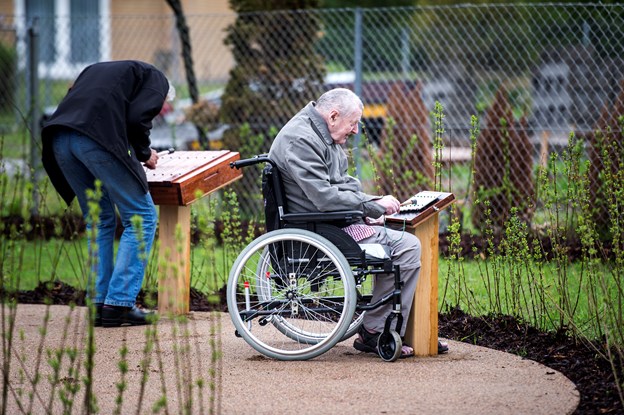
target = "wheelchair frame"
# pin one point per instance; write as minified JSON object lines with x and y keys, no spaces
{"x":300,"y":288}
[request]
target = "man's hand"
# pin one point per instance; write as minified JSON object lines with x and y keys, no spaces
{"x":151,"y":163}
{"x":390,"y":203}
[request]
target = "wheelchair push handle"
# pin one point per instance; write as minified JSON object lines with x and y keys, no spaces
{"x":262,"y":158}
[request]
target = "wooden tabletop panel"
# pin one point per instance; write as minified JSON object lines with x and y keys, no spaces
{"x":182,"y":177}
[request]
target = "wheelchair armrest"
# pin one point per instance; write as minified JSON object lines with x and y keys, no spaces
{"x":345,"y":215}
{"x":261,"y":158}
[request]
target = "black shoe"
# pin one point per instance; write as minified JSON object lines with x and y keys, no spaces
{"x":115,"y":316}
{"x":366,"y":341}
{"x":98,"y":315}
{"x":442,"y":347}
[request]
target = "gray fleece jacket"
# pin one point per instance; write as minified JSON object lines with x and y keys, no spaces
{"x":314,"y":169}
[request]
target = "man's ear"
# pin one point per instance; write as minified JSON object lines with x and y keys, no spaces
{"x":333,"y":115}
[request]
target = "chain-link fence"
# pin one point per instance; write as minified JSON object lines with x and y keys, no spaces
{"x":547,"y":70}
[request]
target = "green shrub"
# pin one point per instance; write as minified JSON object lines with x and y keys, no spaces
{"x":8,"y":58}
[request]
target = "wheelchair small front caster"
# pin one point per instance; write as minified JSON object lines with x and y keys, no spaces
{"x":389,"y":346}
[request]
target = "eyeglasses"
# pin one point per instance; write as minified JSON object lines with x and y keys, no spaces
{"x":356,"y":123}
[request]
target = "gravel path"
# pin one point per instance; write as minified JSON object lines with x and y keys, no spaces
{"x":468,"y":380}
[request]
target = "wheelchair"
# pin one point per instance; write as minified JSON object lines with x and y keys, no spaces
{"x":304,"y":285}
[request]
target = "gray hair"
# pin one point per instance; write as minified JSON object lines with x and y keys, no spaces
{"x":171,"y":93}
{"x":341,"y":99}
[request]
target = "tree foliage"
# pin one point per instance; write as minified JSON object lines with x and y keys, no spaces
{"x":508,"y":34}
{"x":276,"y":73}
{"x":367,"y":3}
{"x":277,"y":70}
{"x":8,"y":63}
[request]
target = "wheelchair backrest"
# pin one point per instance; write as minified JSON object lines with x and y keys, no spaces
{"x":273,"y":195}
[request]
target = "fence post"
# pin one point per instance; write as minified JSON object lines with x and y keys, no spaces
{"x":33,"y":90}
{"x":405,"y":53}
{"x":357,"y":85}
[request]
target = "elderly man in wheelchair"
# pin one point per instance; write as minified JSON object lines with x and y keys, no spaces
{"x":327,"y":268}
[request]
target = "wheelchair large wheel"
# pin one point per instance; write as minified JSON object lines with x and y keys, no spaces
{"x":291,"y":294}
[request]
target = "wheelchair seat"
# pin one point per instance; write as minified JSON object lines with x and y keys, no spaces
{"x":303,"y":286}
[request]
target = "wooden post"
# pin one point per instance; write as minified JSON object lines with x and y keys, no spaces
{"x":174,"y":281}
{"x":422,"y":325}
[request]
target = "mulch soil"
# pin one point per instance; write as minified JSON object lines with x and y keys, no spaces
{"x":579,"y":361}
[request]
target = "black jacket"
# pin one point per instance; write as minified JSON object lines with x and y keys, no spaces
{"x":114,"y":104}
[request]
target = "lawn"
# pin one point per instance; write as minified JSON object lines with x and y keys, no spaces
{"x":25,"y":264}
{"x":548,"y":294}
{"x":534,"y":290}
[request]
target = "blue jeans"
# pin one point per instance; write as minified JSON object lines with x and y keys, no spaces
{"x":82,"y":161}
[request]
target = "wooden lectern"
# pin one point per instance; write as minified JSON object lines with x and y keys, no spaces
{"x":179,"y":179}
{"x":422,"y":220}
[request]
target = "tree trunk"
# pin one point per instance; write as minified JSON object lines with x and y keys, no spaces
{"x":187,"y":56}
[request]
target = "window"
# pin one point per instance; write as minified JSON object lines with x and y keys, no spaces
{"x":43,"y":11}
{"x":85,"y":31}
{"x":72,"y":33}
